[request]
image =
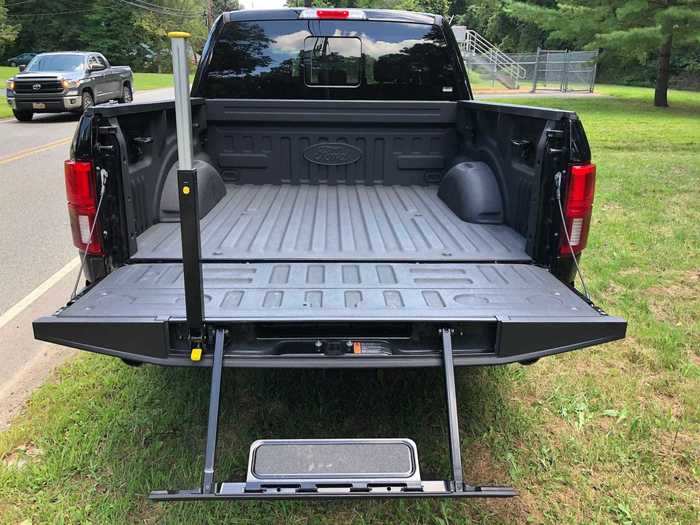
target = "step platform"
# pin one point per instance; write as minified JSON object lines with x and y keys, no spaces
{"x":317,"y":464}
{"x":328,"y":468}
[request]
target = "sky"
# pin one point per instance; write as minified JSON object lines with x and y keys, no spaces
{"x":262,"y":4}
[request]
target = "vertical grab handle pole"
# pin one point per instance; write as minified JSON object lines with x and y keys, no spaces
{"x":188,"y":198}
{"x":183,"y":107}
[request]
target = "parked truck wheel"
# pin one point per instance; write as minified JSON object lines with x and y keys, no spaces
{"x":88,"y":101}
{"x":127,"y":95}
{"x":23,"y":115}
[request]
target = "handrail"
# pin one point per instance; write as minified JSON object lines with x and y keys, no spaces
{"x":475,"y":44}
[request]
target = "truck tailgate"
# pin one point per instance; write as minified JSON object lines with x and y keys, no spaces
{"x":505,"y":312}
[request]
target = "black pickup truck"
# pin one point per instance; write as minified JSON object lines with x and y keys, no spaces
{"x":67,"y":81}
{"x":358,"y":209}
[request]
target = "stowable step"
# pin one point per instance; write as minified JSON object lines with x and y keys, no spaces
{"x":354,"y":462}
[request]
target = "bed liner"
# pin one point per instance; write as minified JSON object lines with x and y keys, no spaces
{"x":336,"y":223}
{"x":502,"y":313}
{"x":335,"y":291}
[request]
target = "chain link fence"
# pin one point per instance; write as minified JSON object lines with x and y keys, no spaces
{"x":558,"y":70}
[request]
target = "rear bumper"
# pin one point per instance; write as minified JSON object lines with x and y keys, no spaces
{"x":476,"y":342}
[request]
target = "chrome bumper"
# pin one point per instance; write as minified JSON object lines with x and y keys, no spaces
{"x":57,"y":103}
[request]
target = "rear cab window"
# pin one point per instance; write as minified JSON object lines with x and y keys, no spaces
{"x":331,"y":59}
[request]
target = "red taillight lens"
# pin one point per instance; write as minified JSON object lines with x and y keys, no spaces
{"x":80,"y":183}
{"x":82,"y":206}
{"x":332,"y":13}
{"x":329,"y":14}
{"x":578,"y":207}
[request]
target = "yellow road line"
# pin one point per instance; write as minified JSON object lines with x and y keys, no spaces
{"x":31,"y":151}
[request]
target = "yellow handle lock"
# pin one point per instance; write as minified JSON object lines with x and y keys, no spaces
{"x":196,"y":354}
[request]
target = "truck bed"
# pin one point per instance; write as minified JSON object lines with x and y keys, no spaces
{"x":309,"y":263}
{"x":336,"y":222}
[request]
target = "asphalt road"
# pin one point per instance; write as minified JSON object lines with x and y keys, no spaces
{"x":36,"y":246}
{"x":34,"y":229}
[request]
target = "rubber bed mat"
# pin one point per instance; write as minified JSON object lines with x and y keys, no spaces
{"x":336,"y":222}
{"x":335,"y":291}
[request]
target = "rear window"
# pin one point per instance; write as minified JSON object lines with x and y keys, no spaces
{"x":330,"y":59}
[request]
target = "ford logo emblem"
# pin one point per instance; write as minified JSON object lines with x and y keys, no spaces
{"x":36,"y":87}
{"x":332,"y":154}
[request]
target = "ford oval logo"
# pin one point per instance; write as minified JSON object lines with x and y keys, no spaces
{"x":332,"y":154}
{"x":36,"y":87}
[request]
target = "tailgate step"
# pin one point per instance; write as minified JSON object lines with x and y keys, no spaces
{"x":355,"y":463}
{"x":332,"y":468}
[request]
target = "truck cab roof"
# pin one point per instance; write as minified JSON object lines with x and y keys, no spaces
{"x":293,"y":14}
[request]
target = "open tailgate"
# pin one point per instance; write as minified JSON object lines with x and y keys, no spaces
{"x":335,"y":314}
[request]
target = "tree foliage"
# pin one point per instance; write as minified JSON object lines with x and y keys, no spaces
{"x":123,"y":32}
{"x":221,"y":6}
{"x":633,"y":34}
{"x":8,"y":32}
{"x":624,"y":29}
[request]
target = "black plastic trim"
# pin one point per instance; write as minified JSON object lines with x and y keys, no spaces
{"x":522,"y":111}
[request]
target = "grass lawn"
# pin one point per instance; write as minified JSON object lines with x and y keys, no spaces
{"x":146,"y":81}
{"x":5,"y":73}
{"x":142,"y":82}
{"x":608,"y":435}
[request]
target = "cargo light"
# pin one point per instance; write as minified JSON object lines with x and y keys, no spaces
{"x":82,"y":206}
{"x":578,"y":208}
{"x":333,"y":14}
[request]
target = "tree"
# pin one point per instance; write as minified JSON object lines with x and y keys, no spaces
{"x":626,"y":28}
{"x":153,"y":22}
{"x":109,"y":29}
{"x":133,"y":33}
{"x":46,"y":25}
{"x":8,"y":32}
{"x":221,"y":6}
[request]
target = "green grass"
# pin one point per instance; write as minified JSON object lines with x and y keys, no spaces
{"x":606,"y":435}
{"x":5,"y":73}
{"x":145,"y":81}
{"x":142,"y":82}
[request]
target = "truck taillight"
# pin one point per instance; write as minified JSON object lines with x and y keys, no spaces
{"x":578,"y":207}
{"x":82,"y":206}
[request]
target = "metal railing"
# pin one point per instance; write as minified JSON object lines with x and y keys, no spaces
{"x":559,"y":70}
{"x":480,"y":54}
